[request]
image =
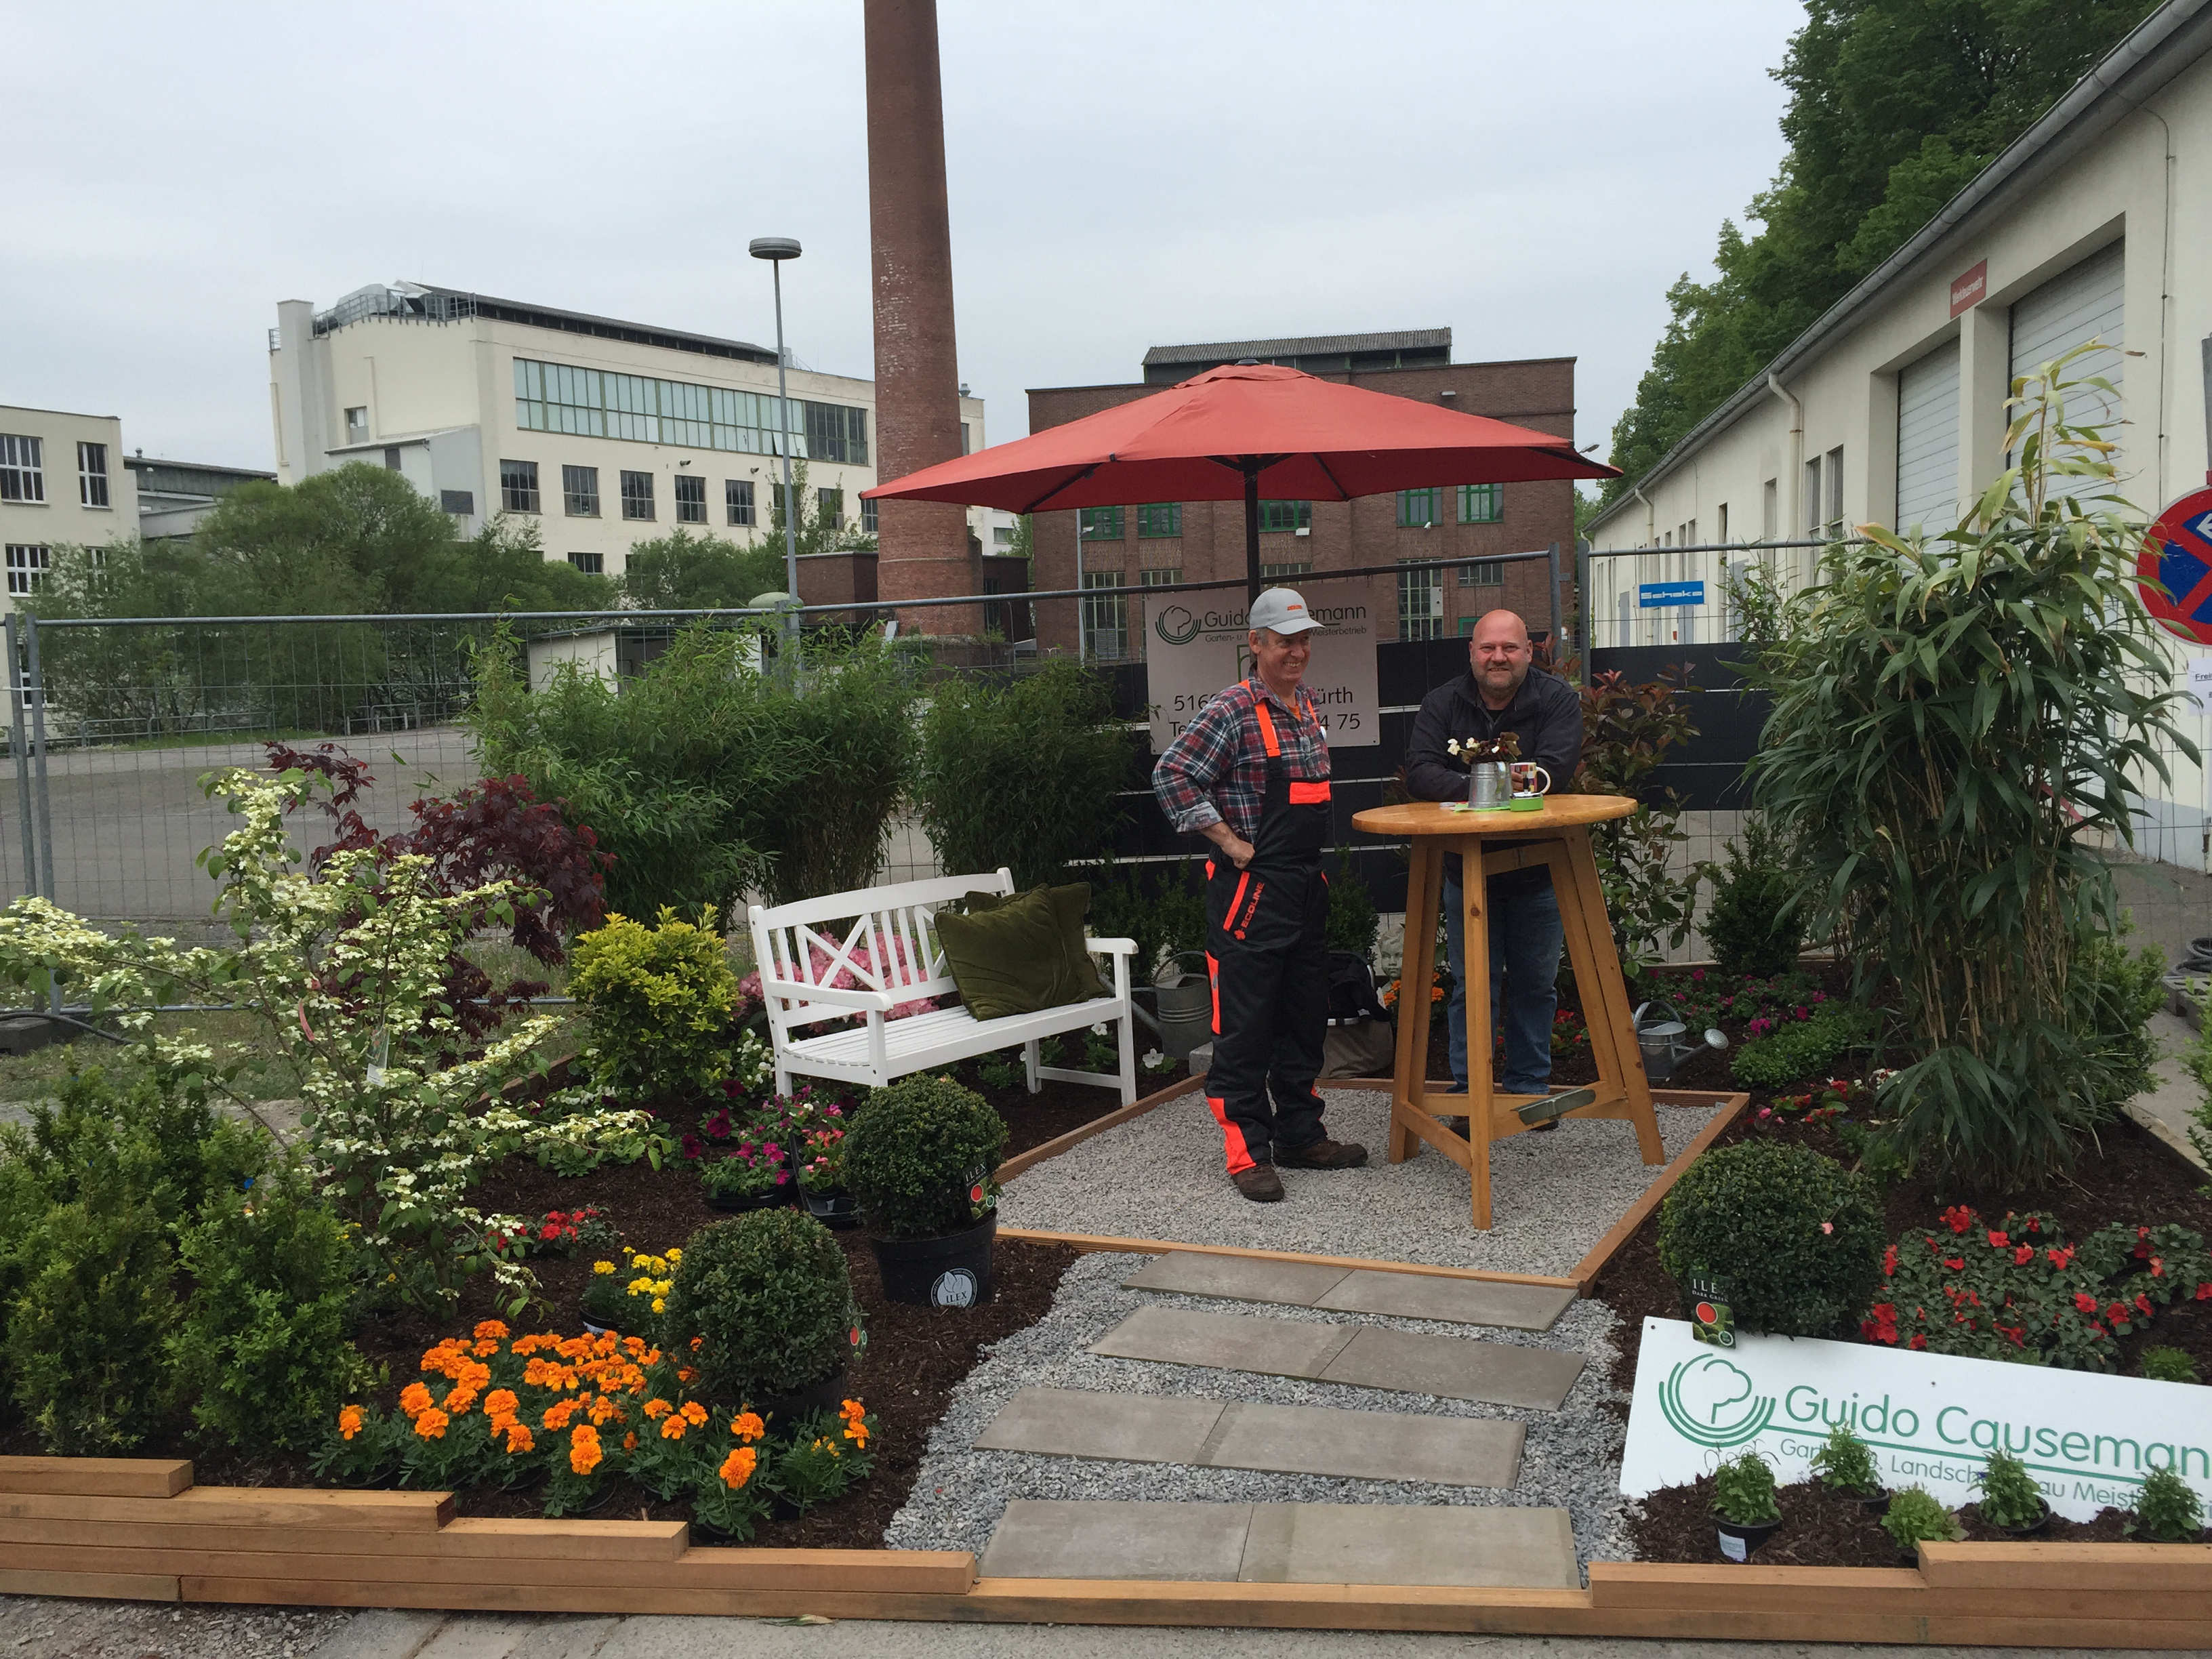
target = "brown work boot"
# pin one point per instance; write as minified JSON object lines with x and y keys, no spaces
{"x":1323,"y":1154}
{"x":1259,"y":1183}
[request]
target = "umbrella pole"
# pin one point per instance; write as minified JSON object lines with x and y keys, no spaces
{"x":1251,"y":470}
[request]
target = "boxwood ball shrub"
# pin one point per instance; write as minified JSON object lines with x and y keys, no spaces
{"x":919,"y":1155}
{"x":1796,"y":1238}
{"x":768,"y":1294}
{"x":659,"y":1004}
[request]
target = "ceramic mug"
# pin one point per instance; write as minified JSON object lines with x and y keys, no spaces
{"x":1525,"y":774}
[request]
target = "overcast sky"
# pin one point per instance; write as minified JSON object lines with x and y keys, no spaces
{"x":1122,"y":175}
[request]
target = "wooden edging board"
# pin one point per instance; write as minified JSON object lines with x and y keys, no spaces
{"x":89,"y":1530}
{"x":1098,"y":1125}
{"x":1587,"y":1270}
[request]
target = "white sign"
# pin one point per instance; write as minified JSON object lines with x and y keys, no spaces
{"x":2200,"y":682}
{"x":1194,"y":650}
{"x":1930,"y":1419}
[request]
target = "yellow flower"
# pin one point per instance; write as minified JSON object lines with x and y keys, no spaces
{"x":675,"y":1254}
{"x":659,"y":1305}
{"x":603,"y":1268}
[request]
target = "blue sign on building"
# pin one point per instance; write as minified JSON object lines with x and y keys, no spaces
{"x":1652,"y":595}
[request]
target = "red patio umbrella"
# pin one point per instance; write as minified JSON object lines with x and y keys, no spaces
{"x":1227,"y":432}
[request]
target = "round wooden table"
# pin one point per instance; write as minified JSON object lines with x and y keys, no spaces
{"x":1556,"y":837}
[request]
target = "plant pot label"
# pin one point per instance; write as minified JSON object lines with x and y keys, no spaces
{"x":953,"y":1288}
{"x":1735,"y":1547}
{"x":1710,"y":1320}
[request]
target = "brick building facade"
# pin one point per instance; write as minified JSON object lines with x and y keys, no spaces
{"x":1125,"y":549}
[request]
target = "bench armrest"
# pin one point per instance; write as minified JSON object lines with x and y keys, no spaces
{"x":796,"y":990}
{"x":1110,"y":947}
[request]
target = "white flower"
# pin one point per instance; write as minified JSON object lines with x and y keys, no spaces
{"x":1099,"y":1030}
{"x":1154,"y":1059}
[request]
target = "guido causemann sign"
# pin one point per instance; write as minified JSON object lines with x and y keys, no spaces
{"x":1193,"y":649}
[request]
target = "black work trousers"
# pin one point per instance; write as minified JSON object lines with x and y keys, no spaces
{"x":1266,"y":950}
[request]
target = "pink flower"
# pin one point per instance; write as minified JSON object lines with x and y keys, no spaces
{"x":1827,"y":1226}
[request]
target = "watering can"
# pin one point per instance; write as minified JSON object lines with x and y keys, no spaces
{"x":1663,"y":1041}
{"x":1186,"y":1004}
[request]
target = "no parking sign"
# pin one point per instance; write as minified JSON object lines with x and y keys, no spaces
{"x":2178,"y":553}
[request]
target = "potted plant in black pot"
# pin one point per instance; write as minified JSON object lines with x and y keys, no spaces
{"x":1846,"y":1466}
{"x":920,"y":1157}
{"x":2011,"y":1503}
{"x":817,"y":1160}
{"x":768,"y":1299}
{"x":1744,"y":1505}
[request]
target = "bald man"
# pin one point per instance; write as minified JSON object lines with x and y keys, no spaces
{"x":1502,"y":691}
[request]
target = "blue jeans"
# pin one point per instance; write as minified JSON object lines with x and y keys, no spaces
{"x":1526,"y":935}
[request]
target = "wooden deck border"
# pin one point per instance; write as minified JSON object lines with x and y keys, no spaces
{"x":1731,"y":1108}
{"x":325,"y":1548}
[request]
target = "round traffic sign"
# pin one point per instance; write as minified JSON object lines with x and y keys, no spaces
{"x":2177,"y":555}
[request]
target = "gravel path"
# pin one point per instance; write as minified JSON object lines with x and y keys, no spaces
{"x":1552,"y":1195}
{"x":1571,"y":1458}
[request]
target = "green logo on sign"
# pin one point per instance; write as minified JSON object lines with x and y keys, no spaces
{"x":1177,"y":625}
{"x":1710,"y":1401}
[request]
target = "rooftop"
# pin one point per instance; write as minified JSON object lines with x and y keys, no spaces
{"x":1424,"y":340}
{"x":424,"y":302}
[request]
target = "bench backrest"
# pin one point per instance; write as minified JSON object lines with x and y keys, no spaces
{"x":873,"y":939}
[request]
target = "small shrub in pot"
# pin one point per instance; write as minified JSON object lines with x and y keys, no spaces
{"x":1745,"y":1505}
{"x":1798,"y":1238}
{"x":1846,"y":1464}
{"x":768,"y":1294}
{"x":920,"y":1157}
{"x":1917,"y":1517}
{"x":2166,"y":1510}
{"x":2011,"y":1501}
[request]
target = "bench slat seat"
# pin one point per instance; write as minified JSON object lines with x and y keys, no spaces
{"x":883,"y":941}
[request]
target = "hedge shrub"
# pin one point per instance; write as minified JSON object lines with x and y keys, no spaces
{"x":85,"y":1331}
{"x":768,"y":1296}
{"x":920,"y":1157}
{"x":1796,"y":1238}
{"x":659,"y":1003}
{"x":1804,"y":1048}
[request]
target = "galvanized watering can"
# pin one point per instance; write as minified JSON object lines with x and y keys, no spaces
{"x":1662,"y":1040}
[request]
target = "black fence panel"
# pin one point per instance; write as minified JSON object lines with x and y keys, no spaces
{"x":1708,"y":772}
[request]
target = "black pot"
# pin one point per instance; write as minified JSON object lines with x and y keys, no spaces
{"x":1737,"y":1540}
{"x":787,"y":1408}
{"x":836,"y":1210}
{"x":950,"y":1271}
{"x":592,"y":1326}
{"x":774,"y":1197}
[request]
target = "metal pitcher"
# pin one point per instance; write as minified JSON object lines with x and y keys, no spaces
{"x":1489,"y":784}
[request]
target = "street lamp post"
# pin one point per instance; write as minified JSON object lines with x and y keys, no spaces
{"x":775,"y":250}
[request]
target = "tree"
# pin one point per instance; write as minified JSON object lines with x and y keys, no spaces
{"x":1894,"y":106}
{"x":818,"y":532}
{"x":688,"y":572}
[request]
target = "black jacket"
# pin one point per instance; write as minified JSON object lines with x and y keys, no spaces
{"x":1545,"y":714}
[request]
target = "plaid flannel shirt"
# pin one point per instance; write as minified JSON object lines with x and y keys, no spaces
{"x":1216,"y":771}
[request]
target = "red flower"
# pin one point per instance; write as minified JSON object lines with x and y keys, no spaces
{"x":2060,"y":1258}
{"x":1954,"y":1263}
{"x":1959,"y":1217}
{"x":2204,"y":1291}
{"x":2118,"y":1313}
{"x":2023,"y":1255}
{"x":1999,"y":1241}
{"x":2142,"y":1304}
{"x":1889,"y":1262}
{"x":2084,"y":1302}
{"x":1919,"y":1340}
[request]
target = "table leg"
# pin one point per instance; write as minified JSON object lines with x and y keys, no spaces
{"x":1416,"y":973}
{"x":1606,"y":999}
{"x":1474,"y":959}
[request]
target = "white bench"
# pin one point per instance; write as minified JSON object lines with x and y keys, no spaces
{"x":886,"y":938}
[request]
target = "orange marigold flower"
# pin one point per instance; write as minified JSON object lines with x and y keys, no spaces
{"x":685,"y":1374}
{"x":485,"y":1350}
{"x":696,"y":1412}
{"x":519,"y":1438}
{"x":737,"y":1467}
{"x":556,"y":1416}
{"x":431,"y":1425}
{"x":601,"y":1408}
{"x":584,"y":1452}
{"x":348,"y":1422}
{"x":414,"y":1400}
{"x":856,"y":1430}
{"x":852,"y":1411}
{"x":630,"y":1441}
{"x":657,"y":1408}
{"x":747,"y":1425}
{"x":502,"y":1402}
{"x":696,"y":1342}
{"x":576,"y":1348}
{"x":673,"y":1428}
{"x":459,"y":1401}
{"x":491,"y":1330}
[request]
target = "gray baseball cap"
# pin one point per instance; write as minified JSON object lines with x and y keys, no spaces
{"x":1282,"y":609}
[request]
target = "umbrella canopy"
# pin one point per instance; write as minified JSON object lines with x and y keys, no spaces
{"x":1246,"y":430}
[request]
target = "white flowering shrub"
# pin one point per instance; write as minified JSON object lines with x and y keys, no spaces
{"x":344,"y":971}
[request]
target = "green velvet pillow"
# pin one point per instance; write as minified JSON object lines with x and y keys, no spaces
{"x":1076,"y":975}
{"x":1005,"y":959}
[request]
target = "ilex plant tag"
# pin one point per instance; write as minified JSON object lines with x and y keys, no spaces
{"x":1711,"y":1319}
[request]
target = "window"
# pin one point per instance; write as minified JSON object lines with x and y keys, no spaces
{"x":830,"y":504}
{"x":637,"y":495}
{"x":27,"y":568}
{"x":580,"y":491}
{"x":92,"y":474}
{"x":592,"y":564}
{"x":1481,"y":503}
{"x":590,"y":403}
{"x":1419,"y":508}
{"x":1483,"y":573}
{"x":1159,"y":519}
{"x":518,"y":486}
{"x":391,"y":458}
{"x":1002,"y":535}
{"x":737,"y":499}
{"x":1162,"y":576}
{"x":1770,"y":514}
{"x":1421,"y":600}
{"x":1812,"y":496}
{"x":967,"y":439}
{"x":1720,"y":522}
{"x":463,"y":502}
{"x":22,"y":469}
{"x":1285,"y":516}
{"x":1835,"y":492}
{"x":1105,"y":617}
{"x":1275,"y":573}
{"x":1101,"y":524}
{"x":357,"y":424}
{"x":868,"y":518}
{"x":690,"y":499}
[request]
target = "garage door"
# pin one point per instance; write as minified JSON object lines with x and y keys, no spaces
{"x":2077,"y":305}
{"x":1928,"y":441}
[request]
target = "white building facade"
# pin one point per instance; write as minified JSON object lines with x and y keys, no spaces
{"x":606,"y":433}
{"x":63,"y":483}
{"x":2096,"y":225}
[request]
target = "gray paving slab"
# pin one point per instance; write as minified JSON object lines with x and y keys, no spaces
{"x":1227,"y":1342}
{"x":1455,"y":1367}
{"x":1132,"y":1428}
{"x":1114,"y":1540}
{"x":1408,"y":1544}
{"x":1451,"y":1451}
{"x":1237,"y":1278}
{"x":1459,"y":1301}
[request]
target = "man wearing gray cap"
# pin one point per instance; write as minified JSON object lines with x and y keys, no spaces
{"x":1251,"y":774}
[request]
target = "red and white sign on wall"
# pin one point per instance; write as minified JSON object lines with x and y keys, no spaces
{"x":2177,"y":558}
{"x":1969,"y":287}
